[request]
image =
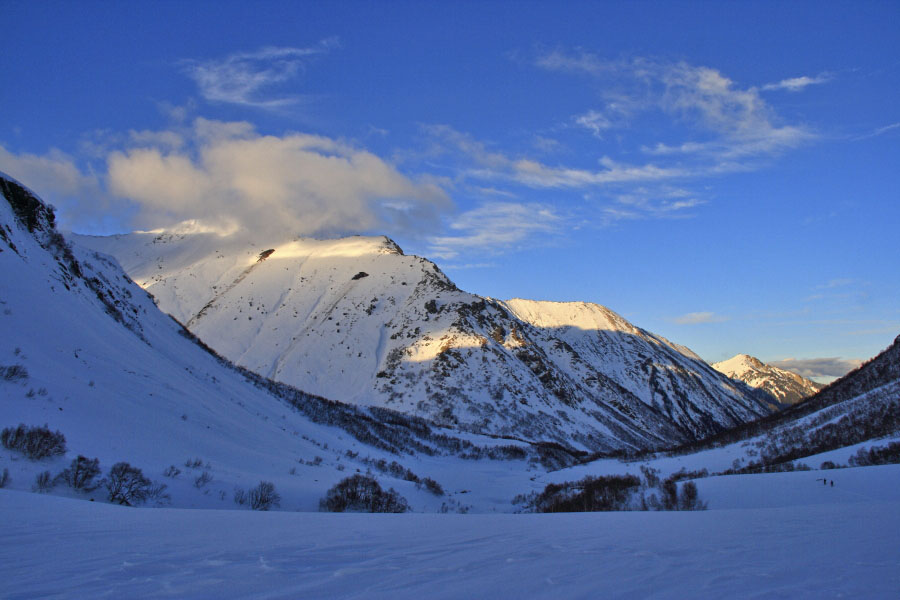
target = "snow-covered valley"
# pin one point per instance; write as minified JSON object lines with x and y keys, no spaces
{"x":87,"y":352}
{"x":59,"y":548}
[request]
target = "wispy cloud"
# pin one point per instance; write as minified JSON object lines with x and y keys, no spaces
{"x":496,"y":227}
{"x":466,"y":266}
{"x":835,"y":283}
{"x":796,"y":84}
{"x":546,"y":144}
{"x":697,"y":318}
{"x":659,"y":203}
{"x":879,"y":131}
{"x":824,"y":368}
{"x":594,"y":121}
{"x":490,"y":164}
{"x":246,"y":78}
{"x":741,"y":122}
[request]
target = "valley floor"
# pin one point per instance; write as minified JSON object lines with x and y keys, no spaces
{"x":55,"y":547}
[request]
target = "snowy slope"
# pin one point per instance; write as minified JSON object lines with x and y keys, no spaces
{"x":784,"y":386}
{"x":124,"y":382}
{"x":357,"y":320}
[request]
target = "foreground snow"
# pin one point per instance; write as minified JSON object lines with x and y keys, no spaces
{"x":61,"y":548}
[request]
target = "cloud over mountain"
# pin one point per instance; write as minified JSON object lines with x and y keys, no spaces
{"x":817,"y":367}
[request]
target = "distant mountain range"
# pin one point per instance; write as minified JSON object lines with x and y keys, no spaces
{"x":861,"y":406}
{"x":784,"y":386}
{"x":357,"y":320}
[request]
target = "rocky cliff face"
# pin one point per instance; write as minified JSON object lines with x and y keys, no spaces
{"x":783,"y":386}
{"x":356,"y":320}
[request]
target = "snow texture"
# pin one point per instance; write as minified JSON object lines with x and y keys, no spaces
{"x":59,"y":548}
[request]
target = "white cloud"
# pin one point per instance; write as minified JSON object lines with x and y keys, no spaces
{"x":795,"y":84}
{"x":56,"y":178}
{"x":818,"y":367}
{"x":696,"y":318}
{"x":246,"y":77}
{"x":304,"y":184}
{"x":53,"y":176}
{"x":164,"y":139}
{"x":495,"y":227}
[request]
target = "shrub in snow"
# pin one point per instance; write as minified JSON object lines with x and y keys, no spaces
{"x":877,"y":455}
{"x":81,"y":473}
{"x":157,"y":492}
{"x":669,"y":495}
{"x":432,"y":486}
{"x":362,"y":493}
{"x":240,"y":496}
{"x":33,"y":442}
{"x":13,"y":373}
{"x":651,"y":476}
{"x":127,"y":485}
{"x":4,"y":478}
{"x":43,"y":483}
{"x":172,"y":471}
{"x":688,"y":498}
{"x":612,"y":492}
{"x":263,"y":496}
{"x":204,"y":478}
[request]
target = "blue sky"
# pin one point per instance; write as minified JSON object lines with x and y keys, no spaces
{"x":724,"y":174}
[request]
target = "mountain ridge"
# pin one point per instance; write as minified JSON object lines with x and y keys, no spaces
{"x":786,"y":387}
{"x":358,"y":320}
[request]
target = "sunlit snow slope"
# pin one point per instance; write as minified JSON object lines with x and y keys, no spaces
{"x":784,"y":386}
{"x":357,"y":320}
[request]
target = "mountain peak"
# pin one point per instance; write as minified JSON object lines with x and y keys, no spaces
{"x":784,"y":386}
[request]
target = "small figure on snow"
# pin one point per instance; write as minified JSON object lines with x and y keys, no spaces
{"x":832,"y":483}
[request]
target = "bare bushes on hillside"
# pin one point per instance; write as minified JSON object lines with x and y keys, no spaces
{"x":34,"y":442}
{"x":362,"y":493}
{"x":615,"y":493}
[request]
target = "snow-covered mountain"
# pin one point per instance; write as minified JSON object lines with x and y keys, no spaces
{"x":86,"y":352}
{"x":784,"y":386}
{"x":357,"y":320}
{"x":862,"y":406}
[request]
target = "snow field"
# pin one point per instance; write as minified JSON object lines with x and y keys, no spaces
{"x":60,"y":548}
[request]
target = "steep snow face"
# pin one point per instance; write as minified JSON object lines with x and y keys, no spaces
{"x":784,"y":386}
{"x":357,"y":320}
